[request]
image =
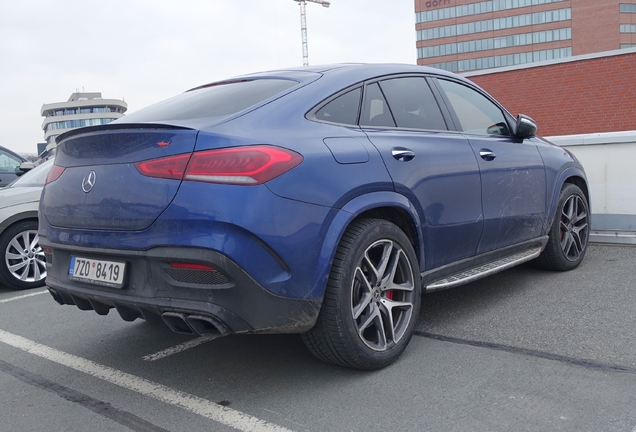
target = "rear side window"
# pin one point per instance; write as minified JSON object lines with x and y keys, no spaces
{"x":375,"y":111}
{"x":343,"y":109}
{"x":412,"y":103}
{"x":216,"y":100}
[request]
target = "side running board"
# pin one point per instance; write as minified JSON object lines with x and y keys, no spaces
{"x":483,"y":270}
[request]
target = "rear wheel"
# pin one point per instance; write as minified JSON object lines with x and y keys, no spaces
{"x":569,"y":233}
{"x":22,"y":264}
{"x":372,"y":298}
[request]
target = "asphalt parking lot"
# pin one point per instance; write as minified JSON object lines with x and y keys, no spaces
{"x":525,"y":349}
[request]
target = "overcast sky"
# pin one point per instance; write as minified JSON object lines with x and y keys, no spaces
{"x":144,"y":51}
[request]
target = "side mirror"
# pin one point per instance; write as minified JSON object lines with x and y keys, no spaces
{"x":24,"y":167}
{"x":526,"y":127}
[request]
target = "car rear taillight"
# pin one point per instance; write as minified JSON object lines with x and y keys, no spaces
{"x":251,"y":165}
{"x":54,"y":173}
{"x":171,"y":167}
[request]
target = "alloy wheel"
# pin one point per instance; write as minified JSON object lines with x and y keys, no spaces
{"x":382,"y":297}
{"x":574,"y":227}
{"x":24,"y":257}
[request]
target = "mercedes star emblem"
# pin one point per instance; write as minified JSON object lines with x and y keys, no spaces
{"x":88,"y":182}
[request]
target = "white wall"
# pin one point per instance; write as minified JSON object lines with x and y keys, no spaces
{"x":609,"y":160}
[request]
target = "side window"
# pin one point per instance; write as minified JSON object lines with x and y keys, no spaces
{"x":343,"y":109}
{"x":476,"y":113}
{"x":8,"y":162}
{"x":412,"y":103}
{"x":375,"y":111}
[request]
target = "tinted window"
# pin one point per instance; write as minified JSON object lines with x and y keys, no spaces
{"x":412,"y":103}
{"x":375,"y":111}
{"x":217,"y":100}
{"x":476,"y":113}
{"x":343,"y":109}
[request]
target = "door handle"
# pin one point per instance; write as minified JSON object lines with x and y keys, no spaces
{"x":487,"y":155}
{"x":402,"y":154}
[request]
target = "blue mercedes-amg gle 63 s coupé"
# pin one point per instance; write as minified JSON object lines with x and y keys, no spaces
{"x":322,"y":201}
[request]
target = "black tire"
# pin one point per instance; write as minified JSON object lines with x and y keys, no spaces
{"x":22,"y":264}
{"x":569,"y":233}
{"x":368,"y":316}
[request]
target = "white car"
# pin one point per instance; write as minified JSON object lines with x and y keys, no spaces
{"x":22,"y":263}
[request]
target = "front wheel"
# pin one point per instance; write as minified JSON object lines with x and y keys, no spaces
{"x":372,"y":298}
{"x":569,"y":233}
{"x":22,"y":263}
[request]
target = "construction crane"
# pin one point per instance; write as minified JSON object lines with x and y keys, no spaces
{"x":303,"y":25}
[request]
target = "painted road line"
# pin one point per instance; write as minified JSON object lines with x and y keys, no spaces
{"x":23,"y":296}
{"x":176,"y":349}
{"x":194,"y":404}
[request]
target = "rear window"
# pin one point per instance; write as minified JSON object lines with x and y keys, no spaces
{"x":217,"y":100}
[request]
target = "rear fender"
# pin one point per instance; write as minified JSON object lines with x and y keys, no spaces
{"x":348,"y":213}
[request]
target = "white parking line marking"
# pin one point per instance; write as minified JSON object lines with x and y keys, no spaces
{"x":176,"y":349}
{"x":23,"y":296}
{"x":194,"y":404}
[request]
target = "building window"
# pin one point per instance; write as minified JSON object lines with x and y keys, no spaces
{"x":628,"y":7}
{"x":72,"y":124}
{"x":496,"y":24}
{"x":476,"y":9}
{"x":624,"y":46}
{"x":503,"y":60}
{"x":628,"y":28}
{"x":496,"y":43}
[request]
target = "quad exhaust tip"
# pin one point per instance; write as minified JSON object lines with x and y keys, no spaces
{"x":194,"y":324}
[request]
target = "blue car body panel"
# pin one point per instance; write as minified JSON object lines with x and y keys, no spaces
{"x":279,"y":238}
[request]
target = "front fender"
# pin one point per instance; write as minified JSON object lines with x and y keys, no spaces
{"x":567,"y":173}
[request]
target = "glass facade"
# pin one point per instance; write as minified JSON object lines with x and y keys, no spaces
{"x":87,"y":110}
{"x":67,"y":124}
{"x":494,"y":43}
{"x":503,"y":60}
{"x":496,"y":24}
{"x":477,"y":8}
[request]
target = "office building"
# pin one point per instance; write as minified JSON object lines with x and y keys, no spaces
{"x":81,"y":109}
{"x":466,"y":35}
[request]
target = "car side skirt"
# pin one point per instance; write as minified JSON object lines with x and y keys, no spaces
{"x":477,"y":267}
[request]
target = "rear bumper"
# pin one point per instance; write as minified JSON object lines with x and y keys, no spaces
{"x":226,"y":300}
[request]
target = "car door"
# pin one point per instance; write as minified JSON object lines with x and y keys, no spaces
{"x":512,"y":170}
{"x":434,"y":167}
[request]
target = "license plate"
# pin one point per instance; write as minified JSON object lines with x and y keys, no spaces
{"x":98,"y":272}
